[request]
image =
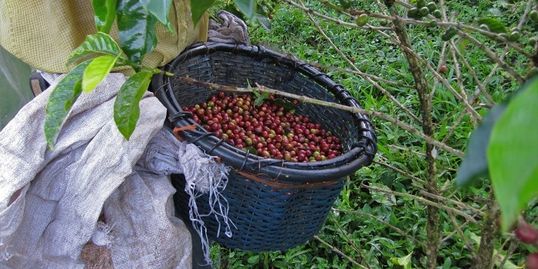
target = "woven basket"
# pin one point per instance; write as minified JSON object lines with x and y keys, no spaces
{"x":274,"y":204}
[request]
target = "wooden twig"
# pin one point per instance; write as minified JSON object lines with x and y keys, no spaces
{"x":448,"y":200}
{"x":398,"y":170}
{"x":424,"y":94}
{"x":493,"y":56}
{"x":373,"y":77}
{"x":472,"y":112}
{"x":375,"y":84}
{"x":350,"y":242}
{"x":490,"y":227}
{"x":451,"y":234}
{"x":466,"y":28}
{"x":335,"y":20}
{"x":511,"y":248}
{"x":459,"y":79}
{"x":472,"y":72}
{"x":339,"y":252}
{"x":457,"y":227}
{"x":455,"y":125}
{"x":396,"y":229}
{"x":305,"y":99}
{"x":424,"y":201}
{"x":431,"y":19}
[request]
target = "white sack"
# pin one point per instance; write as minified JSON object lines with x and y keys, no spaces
{"x":63,"y":191}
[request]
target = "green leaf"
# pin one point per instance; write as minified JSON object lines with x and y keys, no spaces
{"x":264,"y":22}
{"x":160,"y":10}
{"x":253,"y":259}
{"x":493,"y":24}
{"x":105,"y":13}
{"x":247,"y":7}
{"x":151,"y":35}
{"x":384,"y":198}
{"x":136,"y":29}
{"x":260,"y":97}
{"x":61,"y":99}
{"x":475,"y":163}
{"x":285,"y":103}
{"x":450,"y":32}
{"x":95,"y":45}
{"x":96,"y":71}
{"x":403,"y":261}
{"x":512,"y":154}
{"x":198,"y":7}
{"x":126,"y":106}
{"x":345,"y":4}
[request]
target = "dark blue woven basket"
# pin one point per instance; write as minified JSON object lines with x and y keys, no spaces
{"x":274,"y":204}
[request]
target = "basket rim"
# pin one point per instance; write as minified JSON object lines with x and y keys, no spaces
{"x":358,"y":156}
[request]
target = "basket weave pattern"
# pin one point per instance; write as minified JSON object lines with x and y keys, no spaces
{"x":274,"y":204}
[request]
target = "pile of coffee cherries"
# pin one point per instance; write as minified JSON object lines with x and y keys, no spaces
{"x":528,"y":234}
{"x":266,"y":129}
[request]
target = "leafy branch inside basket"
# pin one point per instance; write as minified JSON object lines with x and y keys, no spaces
{"x":305,"y":99}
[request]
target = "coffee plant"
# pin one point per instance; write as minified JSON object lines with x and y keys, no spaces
{"x":443,"y":81}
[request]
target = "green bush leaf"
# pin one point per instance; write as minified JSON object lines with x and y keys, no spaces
{"x":105,"y":13}
{"x":247,"y":7}
{"x":405,"y":261}
{"x":475,"y":163}
{"x":96,"y":71}
{"x":160,"y":10}
{"x":450,"y":32}
{"x":512,"y":154}
{"x":95,"y":45}
{"x":126,"y":106}
{"x":198,"y":7}
{"x":151,"y":35}
{"x":61,"y":99}
{"x":493,"y":24}
{"x":253,"y":259}
{"x":264,"y":22}
{"x":345,"y":4}
{"x":136,"y":29}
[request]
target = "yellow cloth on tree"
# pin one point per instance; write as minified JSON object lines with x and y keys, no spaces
{"x":43,"y":33}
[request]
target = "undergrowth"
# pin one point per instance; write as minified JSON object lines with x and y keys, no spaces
{"x":379,"y":220}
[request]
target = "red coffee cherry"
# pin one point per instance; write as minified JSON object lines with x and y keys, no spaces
{"x":526,"y":233}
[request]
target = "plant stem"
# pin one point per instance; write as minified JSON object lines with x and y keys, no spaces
{"x":490,"y":227}
{"x":339,"y":252}
{"x":396,"y":229}
{"x":305,"y":99}
{"x":424,"y":94}
{"x":424,"y":201}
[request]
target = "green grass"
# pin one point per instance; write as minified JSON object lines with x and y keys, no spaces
{"x":359,"y":227}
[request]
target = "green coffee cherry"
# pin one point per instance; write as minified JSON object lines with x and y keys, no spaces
{"x":514,"y":36}
{"x":413,"y":13}
{"x":437,"y":13}
{"x":431,"y":6}
{"x":534,"y":15}
{"x":423,"y":11}
{"x":450,"y":32}
{"x":421,"y":3}
{"x":361,"y":20}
